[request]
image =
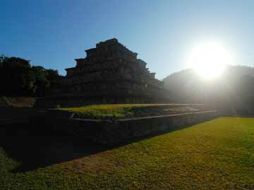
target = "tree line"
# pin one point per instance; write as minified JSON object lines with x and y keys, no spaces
{"x":19,"y":78}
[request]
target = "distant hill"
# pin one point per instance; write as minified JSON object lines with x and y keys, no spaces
{"x":234,"y":90}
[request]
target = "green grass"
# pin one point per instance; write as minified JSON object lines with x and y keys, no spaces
{"x":102,"y":111}
{"x":126,"y":110}
{"x":218,"y":154}
{"x":16,"y":101}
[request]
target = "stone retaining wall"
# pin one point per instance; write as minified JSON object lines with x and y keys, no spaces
{"x":122,"y":130}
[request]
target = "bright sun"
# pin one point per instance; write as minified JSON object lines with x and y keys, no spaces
{"x":209,"y":60}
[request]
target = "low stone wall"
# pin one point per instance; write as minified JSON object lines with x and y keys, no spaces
{"x":123,"y":130}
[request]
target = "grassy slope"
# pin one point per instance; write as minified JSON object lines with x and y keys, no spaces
{"x":17,"y":101}
{"x":97,"y":111}
{"x":126,"y":110}
{"x":213,"y":155}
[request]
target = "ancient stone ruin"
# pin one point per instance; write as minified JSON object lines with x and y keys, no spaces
{"x":110,"y":73}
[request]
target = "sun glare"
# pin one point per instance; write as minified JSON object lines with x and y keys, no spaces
{"x":209,"y":60}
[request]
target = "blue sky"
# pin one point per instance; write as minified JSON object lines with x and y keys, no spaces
{"x":52,"y":33}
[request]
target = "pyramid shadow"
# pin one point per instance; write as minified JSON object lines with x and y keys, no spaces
{"x":38,"y":151}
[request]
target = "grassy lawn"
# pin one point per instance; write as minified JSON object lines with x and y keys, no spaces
{"x":17,"y":101}
{"x":129,"y":110}
{"x":218,"y":154}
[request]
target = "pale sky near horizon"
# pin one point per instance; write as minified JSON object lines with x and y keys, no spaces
{"x":52,"y":33}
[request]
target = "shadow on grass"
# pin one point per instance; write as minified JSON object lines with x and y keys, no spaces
{"x":37,"y":151}
{"x":40,"y":151}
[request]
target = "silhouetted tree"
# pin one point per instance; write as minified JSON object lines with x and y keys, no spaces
{"x":19,"y":78}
